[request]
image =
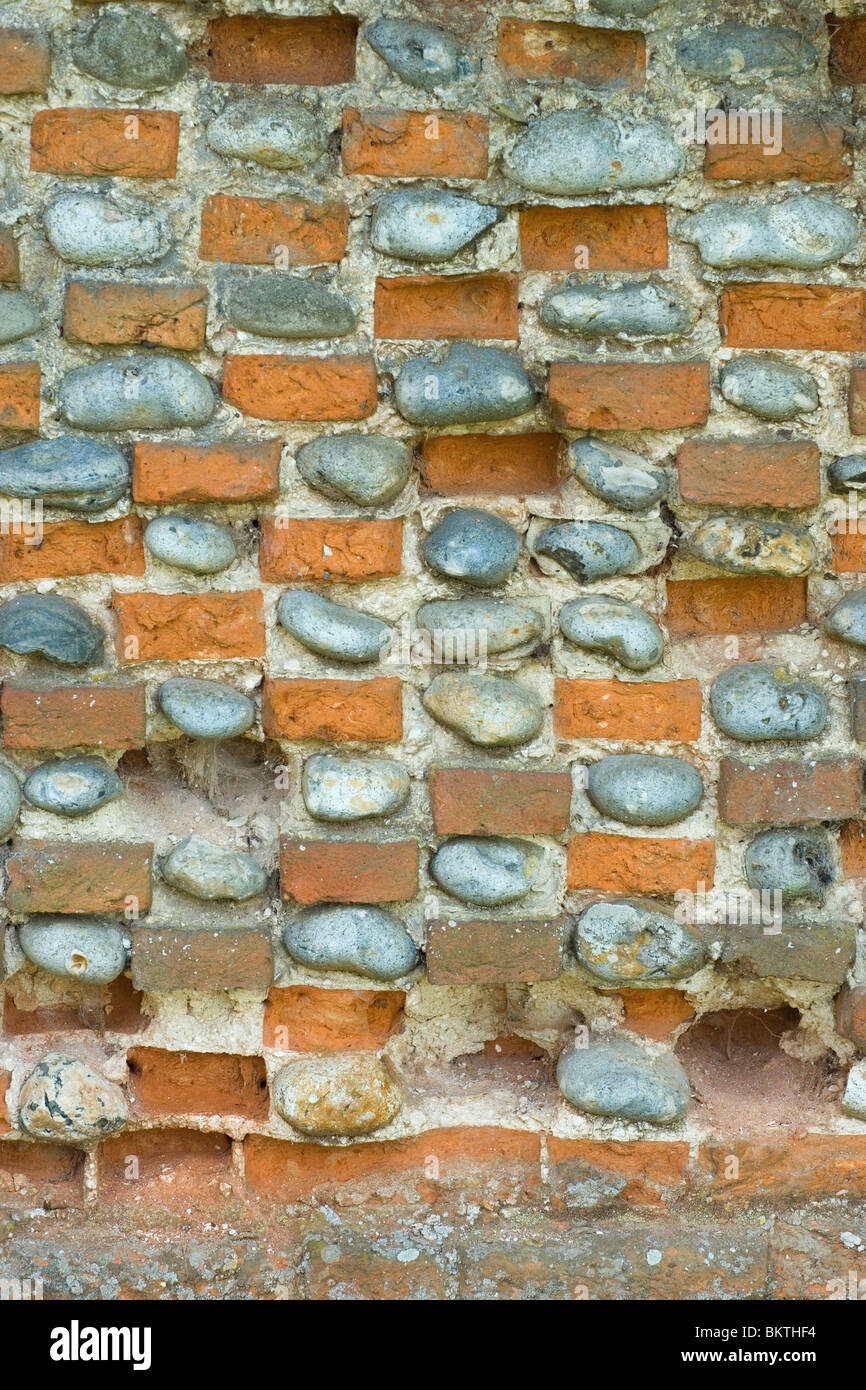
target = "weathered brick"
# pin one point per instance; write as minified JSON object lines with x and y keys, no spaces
{"x":25,"y":61}
{"x":731,"y":472}
{"x":173,"y":316}
{"x":644,"y":710}
{"x":794,"y":1169}
{"x":278,"y":387}
{"x":348,"y":871}
{"x":847,"y":49}
{"x":73,"y":716}
{"x":626,"y":396}
{"x":446,"y":306}
{"x":848,"y":549}
{"x":41,"y":1175}
{"x":164,"y":1167}
{"x":655,"y":1013}
{"x":79,"y":876}
{"x":197,"y":1083}
{"x":5,"y":1083}
{"x":355,"y":1266}
{"x":491,"y":953}
{"x":235,"y":471}
{"x":395,"y":144}
{"x":850,"y":1013}
{"x":788,"y":792}
{"x":69,"y":548}
{"x":303,"y":1018}
{"x":594,"y":238}
{"x":822,"y":951}
{"x":215,"y":958}
{"x":19,"y":395}
{"x":828,"y":318}
{"x":546,"y":50}
{"x":632,"y":864}
{"x":335,"y":548}
{"x":493,"y":464}
{"x":132,"y":143}
{"x":10,"y":271}
{"x":304,"y":50}
{"x":852,"y":842}
{"x":268,"y":231}
{"x":586,"y":1174}
{"x":212,"y":626}
{"x":341,"y":711}
{"x":814,"y":151}
{"x":474,"y":801}
{"x":705,"y":607}
{"x":857,"y":400}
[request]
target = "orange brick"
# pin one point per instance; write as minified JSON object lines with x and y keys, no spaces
{"x":544,"y":50}
{"x":728,"y":472}
{"x":857,"y":400}
{"x":10,"y":272}
{"x":334,"y":548}
{"x":237,"y":471}
{"x":346,"y":871}
{"x":305,"y":1019}
{"x":636,"y":1172}
{"x":65,"y":876}
{"x":73,"y":716}
{"x":791,"y":1169}
{"x":69,"y":548}
{"x":256,"y":231}
{"x":814,"y":151}
{"x":447,"y":306}
{"x":301,"y":388}
{"x":628,"y":864}
{"x":414,"y":144}
{"x":172,"y":316}
{"x":183,"y":1168}
{"x":848,"y":549}
{"x":594,"y":238}
{"x":49,"y":1175}
{"x":19,"y":395}
{"x":190,"y":627}
{"x":341,"y":711}
{"x":853,"y":845}
{"x":307,"y":50}
{"x":25,"y":62}
{"x":197,"y":1083}
{"x":704,"y":607}
{"x":625,"y":396}
{"x":655,"y":1013}
{"x":779,"y":315}
{"x":847,"y":49}
{"x":627,"y":710}
{"x":495,"y":465}
{"x":474,"y":801}
{"x":135,"y":144}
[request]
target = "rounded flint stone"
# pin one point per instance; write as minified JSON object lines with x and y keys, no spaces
{"x":336,"y":1097}
{"x":369,"y":469}
{"x":617,"y":475}
{"x":505,"y":624}
{"x":610,"y":625}
{"x":618,"y":1079}
{"x":570,"y":152}
{"x":205,"y":709}
{"x":847,"y":620}
{"x":80,"y":475}
{"x":589,"y":549}
{"x":72,"y":786}
{"x":137,"y":392}
{"x":365,"y":940}
{"x":53,"y":627}
{"x":644,"y":789}
{"x":19,"y":317}
{"x":427,"y":224}
{"x":424,"y":55}
{"x":487,"y":871}
{"x":474,"y":546}
{"x":270,"y":130}
{"x":485,"y":710}
{"x":203,"y":547}
{"x":769,"y":389}
{"x":743,"y":545}
{"x":74,"y":949}
{"x":286,"y":306}
{"x":332,"y":629}
{"x":647,"y":310}
{"x":64,"y":1099}
{"x":732,"y":48}
{"x":209,"y":872}
{"x":804,"y":233}
{"x":470,"y":385}
{"x":796,"y":863}
{"x":350,"y":789}
{"x":755,"y":701}
{"x":10,"y":800}
{"x":624,"y":943}
{"x":846,"y":473}
{"x":87,"y":229}
{"x":130,"y":48}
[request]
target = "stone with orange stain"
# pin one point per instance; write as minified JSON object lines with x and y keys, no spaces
{"x":826,"y":318}
{"x":628,"y":864}
{"x":303,"y":1018}
{"x":493,"y":465}
{"x":339,"y":711}
{"x":69,"y":548}
{"x":446,"y":306}
{"x":629,"y":396}
{"x":707,"y":607}
{"x":234,"y":471}
{"x":586,"y":1174}
{"x":172,"y":316}
{"x":348,"y":871}
{"x":19,"y":395}
{"x":667,"y":710}
{"x":655,"y":1013}
{"x":213,"y":626}
{"x":262,"y":231}
{"x":815,"y":151}
{"x":549,"y":50}
{"x":338,"y":549}
{"x":277,"y":387}
{"x":131,"y":143}
{"x":392,"y":144}
{"x":622,"y":237}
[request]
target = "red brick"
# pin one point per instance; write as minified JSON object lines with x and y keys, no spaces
{"x":305,"y":50}
{"x":655,"y":1013}
{"x":474,"y":801}
{"x":848,"y":549}
{"x":214,"y":958}
{"x":25,"y":62}
{"x":164,"y":1167}
{"x":704,"y":607}
{"x":79,"y":876}
{"x":631,"y":864}
{"x":491,"y":953}
{"x":491,"y":464}
{"x":730,"y":472}
{"x":853,"y":846}
{"x":134,"y":144}
{"x":544,"y":50}
{"x":277,"y":387}
{"x":197,"y":1083}
{"x":394,"y":144}
{"x":339,"y":711}
{"x":788,"y":792}
{"x":447,"y":306}
{"x":173,"y":316}
{"x":591,"y":1173}
{"x":10,"y":272}
{"x":847,"y":49}
{"x":626,"y":396}
{"x":814,"y":151}
{"x":799,"y":1169}
{"x":235,"y":471}
{"x":19,"y":395}
{"x":828,"y":318}
{"x":627,"y":709}
{"x":213,"y":626}
{"x":303,"y":1018}
{"x":69,"y":548}
{"x":857,"y":400}
{"x":347,"y":871}
{"x":41,"y":1175}
{"x":264,"y":231}
{"x":73,"y":716}
{"x":594,"y":238}
{"x":334,"y":548}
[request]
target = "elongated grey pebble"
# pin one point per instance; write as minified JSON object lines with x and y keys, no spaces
{"x":270,"y":130}
{"x":138,"y":392}
{"x":72,"y":786}
{"x":51,"y":626}
{"x":847,"y":619}
{"x":369,"y":469}
{"x":500,"y":624}
{"x":486,"y":870}
{"x":474,"y":546}
{"x":337,"y":1097}
{"x":277,"y":305}
{"x":743,"y":545}
{"x":769,"y":389}
{"x":19,"y":317}
{"x":854,"y":1098}
{"x":332,"y":629}
{"x":589,"y":549}
{"x":636,"y":310}
{"x":644,"y":789}
{"x":88,"y":229}
{"x":803,"y":232}
{"x":469,"y":385}
{"x":617,"y":1078}
{"x":618,"y":8}
{"x":10,"y":800}
{"x":424,"y":55}
{"x":130,"y":48}
{"x":206,"y":709}
{"x":572,"y":152}
{"x":63,"y":1099}
{"x":610,"y":625}
{"x":210,"y":872}
{"x":427,"y":224}
{"x":625,"y":943}
{"x":81,"y":475}
{"x":732,"y":49}
{"x":617,"y":475}
{"x":365,"y":940}
{"x":846,"y":473}
{"x":796,"y":863}
{"x":485,"y":710}
{"x":753,"y":700}
{"x":350,"y":789}
{"x":189,"y":543}
{"x":74,"y":949}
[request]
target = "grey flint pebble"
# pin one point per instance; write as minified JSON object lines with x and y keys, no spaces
{"x":743,"y":545}
{"x":622,"y":630}
{"x":53,"y":627}
{"x":644,"y":789}
{"x":505,"y":624}
{"x":130,"y":47}
{"x":755,"y":701}
{"x":617,"y":475}
{"x":427,"y":224}
{"x":72,"y":786}
{"x":616,"y":9}
{"x":369,"y":469}
{"x":88,"y":229}
{"x":589,"y":549}
{"x":635,"y":310}
{"x":469,"y":385}
{"x":847,"y":619}
{"x":64,"y":1099}
{"x":10,"y":800}
{"x":332,"y":629}
{"x":277,"y":305}
{"x":486,"y":870}
{"x":74,"y":949}
{"x":210,"y":872}
{"x":486,"y":710}
{"x":19,"y":317}
{"x":769,"y":389}
{"x":803,"y":232}
{"x":846,"y":473}
{"x":623,"y":943}
{"x":796,"y":863}
{"x":365,"y":940}
{"x":473,"y":546}
{"x":617,"y":1078}
{"x":350,"y":789}
{"x":205,"y":709}
{"x":732,"y":49}
{"x":81,"y":475}
{"x":270,"y":130}
{"x":189,"y":543}
{"x":574,"y":152}
{"x":137,"y":392}
{"x":424,"y":55}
